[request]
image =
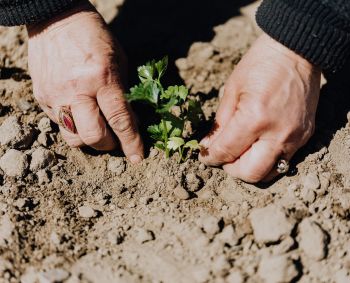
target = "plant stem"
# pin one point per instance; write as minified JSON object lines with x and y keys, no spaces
{"x":165,"y":137}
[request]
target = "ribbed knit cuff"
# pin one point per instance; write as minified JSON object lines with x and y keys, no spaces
{"x":14,"y":13}
{"x":309,"y":28}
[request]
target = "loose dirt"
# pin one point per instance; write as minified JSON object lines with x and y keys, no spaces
{"x":68,"y":215}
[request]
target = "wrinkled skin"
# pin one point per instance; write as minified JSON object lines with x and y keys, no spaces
{"x":267,"y":112}
{"x":74,"y":61}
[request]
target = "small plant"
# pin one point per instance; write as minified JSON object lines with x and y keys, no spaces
{"x":172,"y":105}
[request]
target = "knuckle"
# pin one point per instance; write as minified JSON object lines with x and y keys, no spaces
{"x":251,"y":177}
{"x":222,"y":152}
{"x":74,"y":142}
{"x":120,"y":120}
{"x":92,"y":138}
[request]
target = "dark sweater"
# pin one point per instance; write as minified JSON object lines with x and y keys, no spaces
{"x":318,"y":30}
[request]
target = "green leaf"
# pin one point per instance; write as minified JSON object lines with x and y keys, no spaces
{"x":155,"y":132}
{"x":175,"y":143}
{"x":174,"y":124}
{"x":146,"y":72}
{"x":147,"y":92}
{"x":175,"y":91}
{"x":193,"y":144}
{"x":166,"y":107}
{"x":160,"y":145}
{"x":161,"y":66}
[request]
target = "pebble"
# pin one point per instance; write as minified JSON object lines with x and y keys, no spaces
{"x":181,"y":193}
{"x":142,"y":235}
{"x":312,"y":239}
{"x":44,"y":125}
{"x":311,"y":182}
{"x":116,"y":165}
{"x":42,"y":158}
{"x":220,"y":265}
{"x":87,"y":212}
{"x":14,"y":134}
{"x":307,"y":195}
{"x":24,"y":105}
{"x":210,"y":225}
{"x":43,"y":139}
{"x":43,"y":177}
{"x":277,"y":269}
{"x":154,"y":152}
{"x":228,"y":236}
{"x":14,"y":163}
{"x":235,"y":277}
{"x":53,"y":276}
{"x":6,"y":229}
{"x":270,"y":224}
{"x":193,"y":182}
{"x":285,"y":246}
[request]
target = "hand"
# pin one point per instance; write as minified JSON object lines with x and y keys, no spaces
{"x":267,"y":112}
{"x":73,"y":61}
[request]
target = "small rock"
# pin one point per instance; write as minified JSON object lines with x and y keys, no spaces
{"x":181,"y":193}
{"x":44,"y":125}
{"x":43,"y":177}
{"x":285,"y":246}
{"x":43,"y":139}
{"x":313,"y":240}
{"x":277,"y":269}
{"x":116,"y":165}
{"x":143,"y":236}
{"x":30,"y":276}
{"x":6,"y":229}
{"x":42,"y":158}
{"x":220,"y":265}
{"x":53,"y":276}
{"x":87,"y":212}
{"x":210,"y":225}
{"x":116,"y":238}
{"x":154,"y":152}
{"x":21,"y":203}
{"x":228,"y":236}
{"x":193,"y":182}
{"x":270,"y":224}
{"x":201,"y":167}
{"x":24,"y":105}
{"x":14,"y":163}
{"x":55,"y":239}
{"x":311,"y":182}
{"x":307,"y":195}
{"x":235,"y":277}
{"x":15,"y":134}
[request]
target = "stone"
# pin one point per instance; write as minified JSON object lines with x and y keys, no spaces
{"x":312,"y":239}
{"x":53,"y":276}
{"x":86,"y":211}
{"x":270,"y":224}
{"x":220,"y":265}
{"x":6,"y":229}
{"x":277,"y":269}
{"x":307,"y":195}
{"x":42,"y":158}
{"x":30,"y":276}
{"x":193,"y":183}
{"x":235,"y":276}
{"x":181,"y":193}
{"x":116,"y":165}
{"x":210,"y":224}
{"x":228,"y":236}
{"x":43,"y":139}
{"x":311,"y":182}
{"x":14,"y":134}
{"x":44,"y":125}
{"x":43,"y":177}
{"x":142,"y":235}
{"x":285,"y":246}
{"x":14,"y":163}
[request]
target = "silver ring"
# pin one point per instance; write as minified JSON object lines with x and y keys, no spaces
{"x":282,"y":166}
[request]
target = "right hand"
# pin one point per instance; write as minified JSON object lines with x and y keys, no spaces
{"x":74,"y":62}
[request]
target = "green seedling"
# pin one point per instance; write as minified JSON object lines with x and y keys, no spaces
{"x":172,"y":105}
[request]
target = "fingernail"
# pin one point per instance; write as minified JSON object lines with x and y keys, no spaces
{"x":134,"y":159}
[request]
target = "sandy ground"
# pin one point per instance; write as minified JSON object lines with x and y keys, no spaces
{"x":72,"y":216}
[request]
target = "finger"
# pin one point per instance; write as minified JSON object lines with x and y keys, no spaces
{"x":273,"y":173}
{"x":237,"y":136}
{"x":226,"y":110}
{"x":120,"y":117}
{"x":255,"y":164}
{"x":73,"y":140}
{"x":90,"y":124}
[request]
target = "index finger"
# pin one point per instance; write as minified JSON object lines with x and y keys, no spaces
{"x":119,"y":116}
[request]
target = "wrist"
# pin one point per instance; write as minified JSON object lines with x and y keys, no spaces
{"x":81,"y":8}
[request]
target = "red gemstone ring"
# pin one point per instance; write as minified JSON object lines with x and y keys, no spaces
{"x":65,"y":119}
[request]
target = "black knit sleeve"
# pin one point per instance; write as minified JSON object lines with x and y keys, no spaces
{"x":20,"y":12}
{"x":318,"y":30}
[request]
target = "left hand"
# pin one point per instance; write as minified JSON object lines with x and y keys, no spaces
{"x":267,"y":112}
